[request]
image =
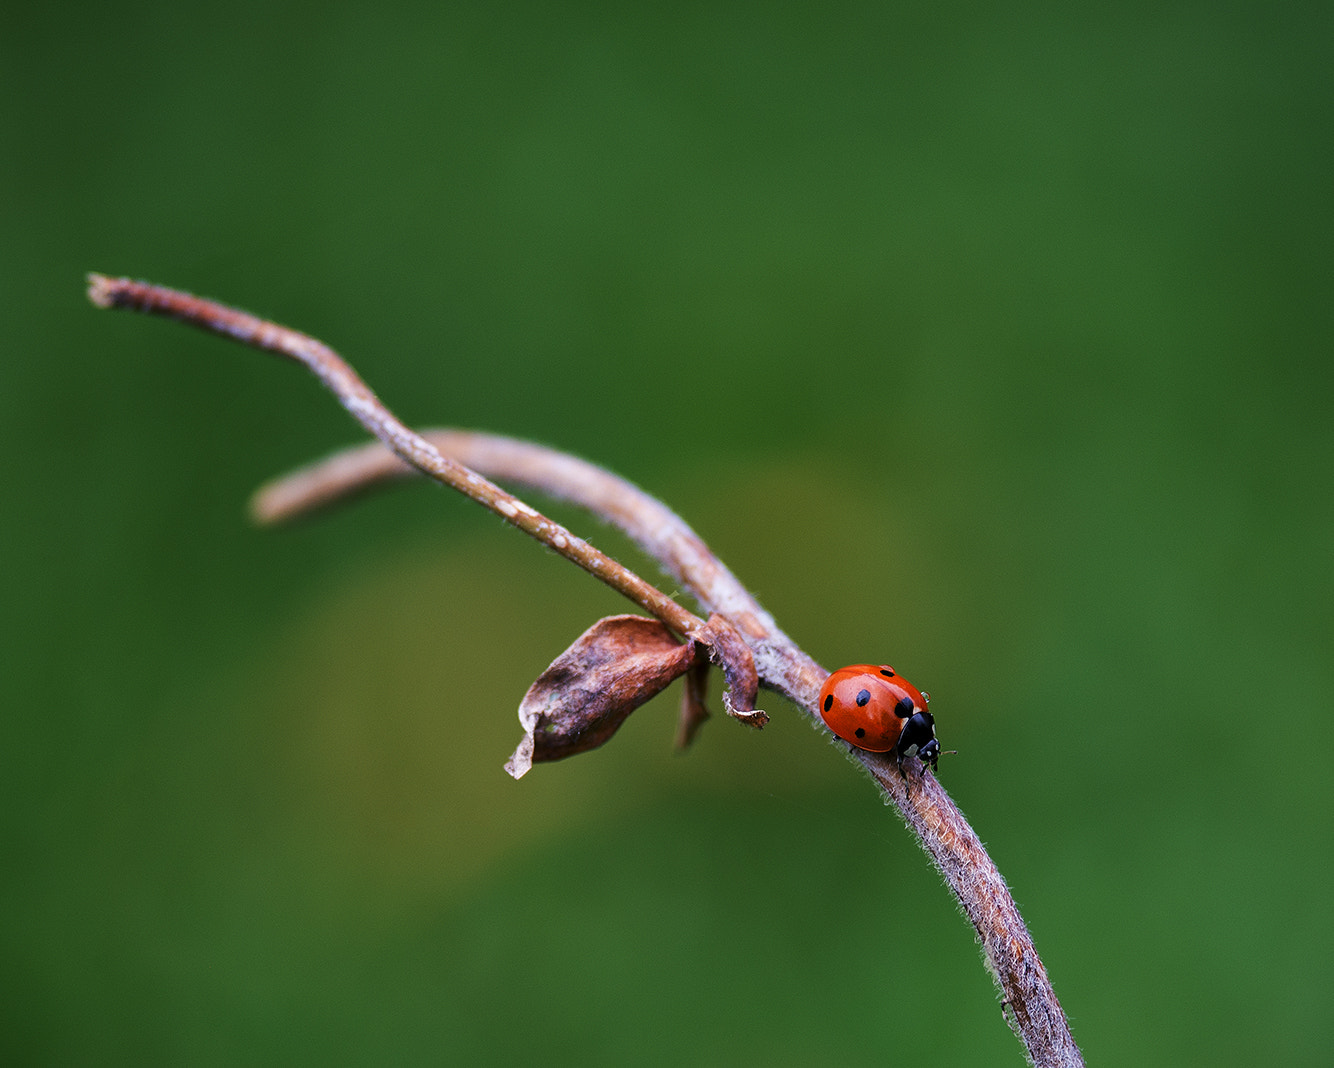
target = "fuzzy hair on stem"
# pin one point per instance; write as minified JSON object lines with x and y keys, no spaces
{"x":467,"y":461}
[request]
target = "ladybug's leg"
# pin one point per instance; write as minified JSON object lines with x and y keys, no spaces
{"x":898,"y":754}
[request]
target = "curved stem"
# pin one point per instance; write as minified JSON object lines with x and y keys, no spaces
{"x":1030,"y":1003}
{"x":1032,"y":1008}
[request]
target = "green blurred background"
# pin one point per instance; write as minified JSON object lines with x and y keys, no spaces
{"x":992,"y":343}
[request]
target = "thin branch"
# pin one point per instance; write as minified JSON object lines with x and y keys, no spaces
{"x":366,"y":408}
{"x":1029,"y":1003}
{"x":660,"y":532}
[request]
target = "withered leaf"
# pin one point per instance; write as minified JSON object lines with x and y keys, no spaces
{"x":588,"y":691}
{"x":693,"y":712}
{"x":729,"y":651}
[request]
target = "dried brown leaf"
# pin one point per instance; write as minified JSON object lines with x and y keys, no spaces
{"x":693,"y":711}
{"x":588,"y":691}
{"x":729,"y":651}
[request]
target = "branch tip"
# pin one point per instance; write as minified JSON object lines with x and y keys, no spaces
{"x":100,"y":290}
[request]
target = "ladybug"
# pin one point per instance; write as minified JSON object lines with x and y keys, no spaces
{"x":877,"y":709}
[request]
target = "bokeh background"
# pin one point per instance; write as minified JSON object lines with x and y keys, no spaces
{"x":994,"y":343}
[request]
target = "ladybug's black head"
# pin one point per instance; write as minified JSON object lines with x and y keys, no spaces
{"x":919,"y":737}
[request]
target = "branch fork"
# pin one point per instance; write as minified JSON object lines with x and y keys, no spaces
{"x":622,"y":661}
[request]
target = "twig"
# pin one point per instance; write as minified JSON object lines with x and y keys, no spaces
{"x":1030,"y":1005}
{"x":366,"y":408}
{"x":659,"y":531}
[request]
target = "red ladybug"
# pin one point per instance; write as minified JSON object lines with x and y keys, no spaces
{"x":875,"y":708}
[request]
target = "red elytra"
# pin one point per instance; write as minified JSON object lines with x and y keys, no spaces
{"x":875,"y":708}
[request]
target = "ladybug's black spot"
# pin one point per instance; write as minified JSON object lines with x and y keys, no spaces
{"x":860,"y":732}
{"x":888,"y":672}
{"x":904,"y":708}
{"x":862,"y":697}
{"x":828,"y":702}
